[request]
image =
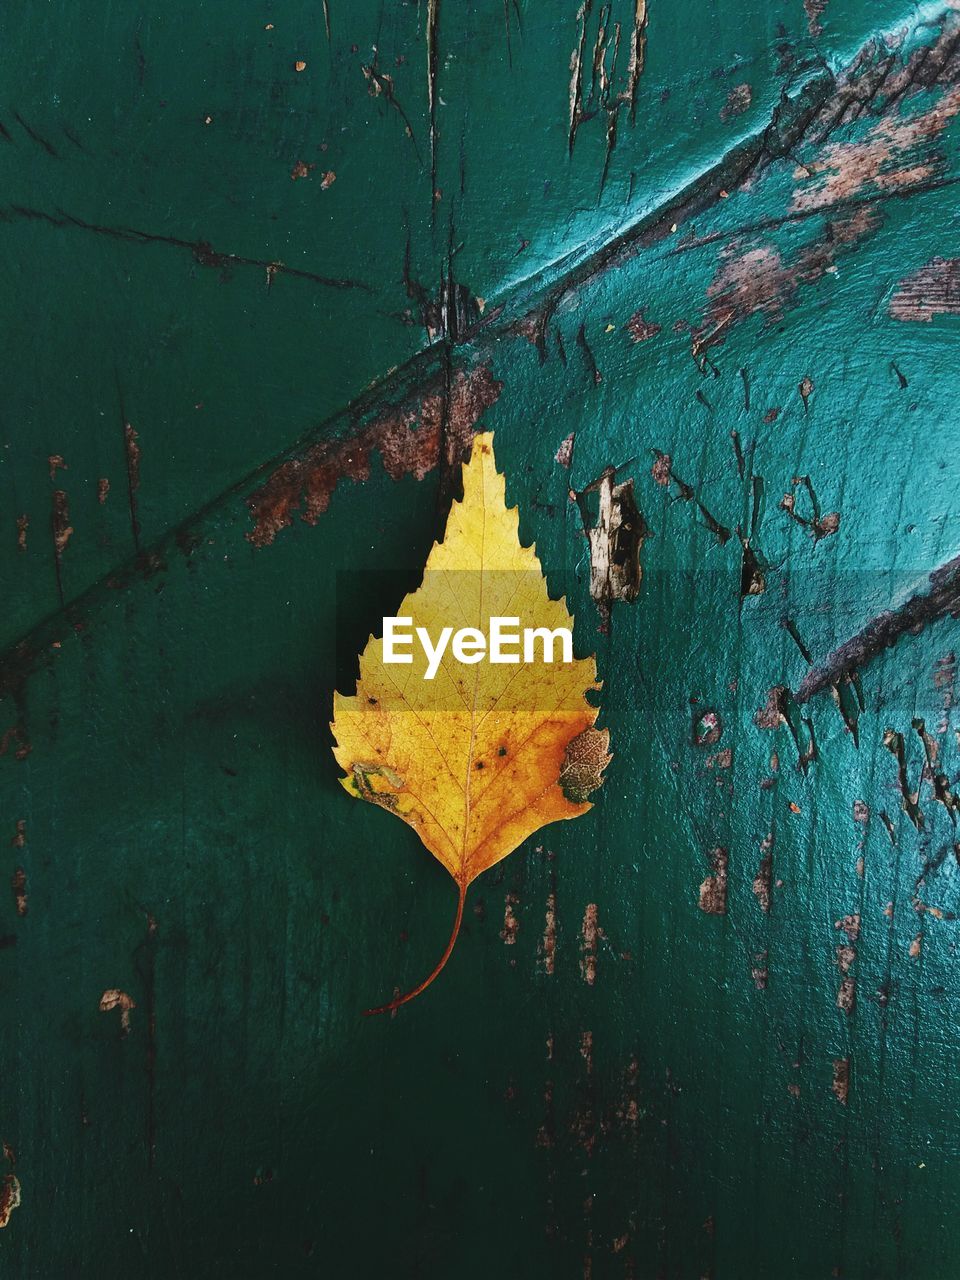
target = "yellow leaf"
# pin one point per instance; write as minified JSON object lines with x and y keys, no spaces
{"x":482,"y":754}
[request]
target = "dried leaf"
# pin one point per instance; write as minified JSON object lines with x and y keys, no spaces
{"x":483,"y":755}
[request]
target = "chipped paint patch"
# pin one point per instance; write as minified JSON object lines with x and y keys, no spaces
{"x":841,"y":1080}
{"x":933,"y":290}
{"x":114,"y":998}
{"x":753,"y":278}
{"x":895,"y":154}
{"x":511,"y":925}
{"x":713,"y":890}
{"x":814,"y":9}
{"x":9,"y":1197}
{"x":548,"y":947}
{"x":738,"y":101}
{"x":590,"y":932}
{"x":18,"y":883}
{"x":640,"y":329}
{"x":444,"y":426}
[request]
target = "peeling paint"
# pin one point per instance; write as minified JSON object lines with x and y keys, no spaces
{"x":893,"y":155}
{"x":9,"y":1197}
{"x":114,"y":998}
{"x":933,"y":290}
{"x":738,"y":101}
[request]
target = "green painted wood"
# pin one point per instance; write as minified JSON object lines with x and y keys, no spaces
{"x":608,"y":1080}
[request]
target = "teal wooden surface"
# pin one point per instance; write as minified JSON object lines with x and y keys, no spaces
{"x":751,"y":270}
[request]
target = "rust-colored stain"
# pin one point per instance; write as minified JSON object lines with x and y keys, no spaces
{"x":301,"y":170}
{"x":590,"y":933}
{"x":738,"y":101}
{"x":23,"y":524}
{"x":103,"y":488}
{"x":933,"y":290}
{"x":444,"y":426}
{"x":916,"y":946}
{"x":19,"y":839}
{"x":9,"y":1197}
{"x":713,"y":890}
{"x":841,"y":1080}
{"x":56,"y":463}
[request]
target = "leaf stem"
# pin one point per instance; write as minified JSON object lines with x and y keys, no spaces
{"x":411,"y":995}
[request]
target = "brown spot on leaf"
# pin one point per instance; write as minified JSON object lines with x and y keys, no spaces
{"x":327,"y":181}
{"x":584,"y":761}
{"x":301,"y":170}
{"x":23,"y":524}
{"x":103,"y":488}
{"x":443,"y":430}
{"x":20,"y":834}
